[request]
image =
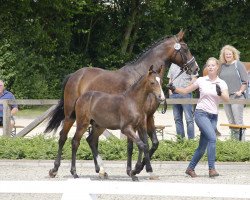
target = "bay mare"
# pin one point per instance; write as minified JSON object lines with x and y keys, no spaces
{"x":116,"y":111}
{"x":166,"y":51}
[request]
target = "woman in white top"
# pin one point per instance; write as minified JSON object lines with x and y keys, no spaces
{"x":212,"y":91}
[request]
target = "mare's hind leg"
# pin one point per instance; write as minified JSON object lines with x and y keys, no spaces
{"x":92,"y":140}
{"x":80,"y":130}
{"x":68,"y":123}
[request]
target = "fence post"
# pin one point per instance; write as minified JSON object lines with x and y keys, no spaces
{"x":6,"y":118}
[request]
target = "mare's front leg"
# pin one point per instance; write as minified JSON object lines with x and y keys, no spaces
{"x":68,"y":123}
{"x":80,"y":130}
{"x":92,"y":140}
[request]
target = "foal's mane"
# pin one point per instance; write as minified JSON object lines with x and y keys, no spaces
{"x":131,"y":87}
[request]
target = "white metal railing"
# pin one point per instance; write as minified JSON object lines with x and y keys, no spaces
{"x":79,"y":189}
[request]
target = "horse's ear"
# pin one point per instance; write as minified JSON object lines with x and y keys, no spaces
{"x":180,"y":35}
{"x":150,"y":71}
{"x":159,"y":71}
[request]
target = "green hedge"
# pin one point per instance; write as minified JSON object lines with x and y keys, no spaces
{"x":114,"y":149}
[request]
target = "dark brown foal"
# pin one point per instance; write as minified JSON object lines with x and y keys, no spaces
{"x":116,"y":111}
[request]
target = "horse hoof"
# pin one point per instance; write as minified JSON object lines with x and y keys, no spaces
{"x":52,"y":174}
{"x":103,"y":175}
{"x":154,"y":177}
{"x":134,"y":178}
{"x":75,"y":176}
{"x":132,"y":173}
{"x":129,"y":172}
{"x":139,"y":167}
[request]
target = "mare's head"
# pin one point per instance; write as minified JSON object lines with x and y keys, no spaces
{"x":154,"y":83}
{"x":180,"y":54}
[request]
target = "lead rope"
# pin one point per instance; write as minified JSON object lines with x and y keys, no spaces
{"x":165,"y":105}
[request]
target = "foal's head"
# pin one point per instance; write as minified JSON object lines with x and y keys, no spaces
{"x":154,"y":83}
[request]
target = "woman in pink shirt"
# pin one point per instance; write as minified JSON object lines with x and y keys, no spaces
{"x":212,"y":91}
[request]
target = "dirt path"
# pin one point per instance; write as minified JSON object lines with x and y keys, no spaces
{"x":233,"y":174}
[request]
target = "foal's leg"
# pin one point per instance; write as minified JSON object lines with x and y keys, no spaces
{"x":132,"y":137}
{"x":68,"y":123}
{"x":92,"y":140}
{"x":139,"y":164}
{"x":129,"y":154}
{"x":131,"y":172}
{"x":152,"y":135}
{"x":80,"y":130}
{"x":130,"y":132}
{"x":129,"y":157}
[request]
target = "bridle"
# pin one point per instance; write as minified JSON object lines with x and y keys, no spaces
{"x":180,"y":49}
{"x":178,"y":46}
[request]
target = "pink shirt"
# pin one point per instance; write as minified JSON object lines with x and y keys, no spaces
{"x":209,"y":100}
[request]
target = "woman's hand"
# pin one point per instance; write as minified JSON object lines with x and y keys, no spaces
{"x":171,"y":87}
{"x":238,"y":93}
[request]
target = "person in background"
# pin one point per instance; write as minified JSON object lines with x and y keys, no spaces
{"x":178,"y":109}
{"x":212,"y":91}
{"x":234,"y":73}
{"x":4,"y":94}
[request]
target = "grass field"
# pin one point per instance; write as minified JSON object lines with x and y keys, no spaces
{"x":32,"y":111}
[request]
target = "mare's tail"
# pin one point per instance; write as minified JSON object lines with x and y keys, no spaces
{"x":57,"y":115}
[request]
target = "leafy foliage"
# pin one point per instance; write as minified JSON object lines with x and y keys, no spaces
{"x":40,"y":147}
{"x":43,"y":41}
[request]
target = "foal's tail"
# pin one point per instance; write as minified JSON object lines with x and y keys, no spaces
{"x":57,"y":115}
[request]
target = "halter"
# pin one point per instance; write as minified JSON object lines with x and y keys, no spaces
{"x":178,"y":49}
{"x":185,"y":68}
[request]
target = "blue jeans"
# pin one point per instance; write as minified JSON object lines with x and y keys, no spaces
{"x":207,"y":123}
{"x":178,"y":110}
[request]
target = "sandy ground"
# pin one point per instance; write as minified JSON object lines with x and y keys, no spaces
{"x":234,"y":175}
{"x":160,"y":119}
{"x":170,"y":172}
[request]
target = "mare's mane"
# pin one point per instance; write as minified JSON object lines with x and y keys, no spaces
{"x":144,"y":53}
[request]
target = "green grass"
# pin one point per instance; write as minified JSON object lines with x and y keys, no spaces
{"x":32,"y":111}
